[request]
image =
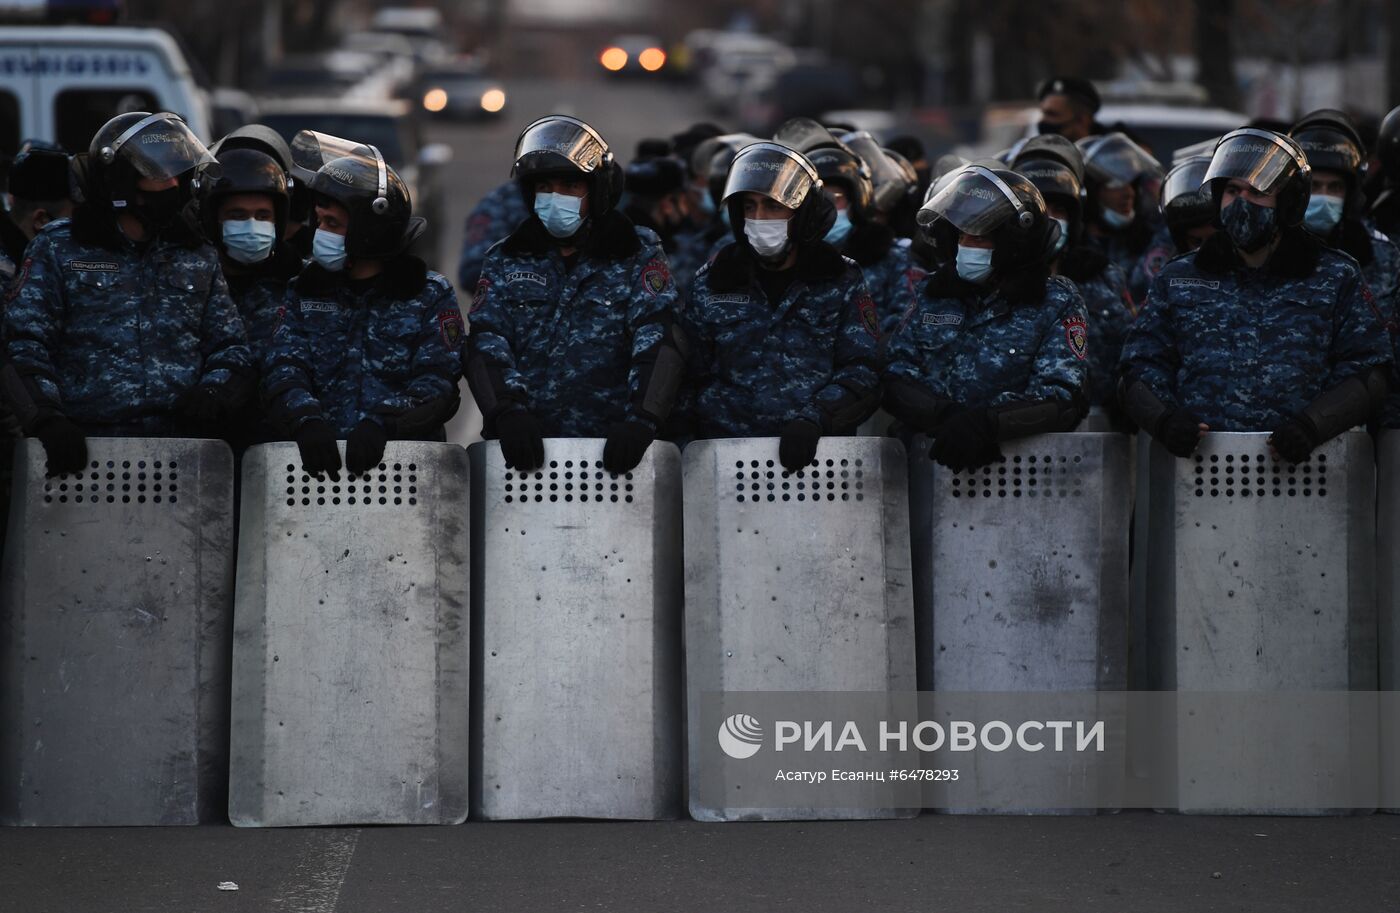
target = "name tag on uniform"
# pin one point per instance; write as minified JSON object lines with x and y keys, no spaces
{"x":729,"y":298}
{"x":93,"y":266}
{"x":942,"y":320}
{"x":1195,"y":283}
{"x":523,"y":276}
{"x":321,"y":306}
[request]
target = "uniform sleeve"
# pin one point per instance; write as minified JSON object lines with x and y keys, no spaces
{"x":1149,"y":351}
{"x":488,"y":223}
{"x":34,"y":318}
{"x":651,"y":318}
{"x":491,"y":334}
{"x":852,"y":394}
{"x":1061,"y":367}
{"x":287,"y":380}
{"x":228,"y":362}
{"x":900,"y":295}
{"x":1359,"y":338}
{"x":436,"y":362}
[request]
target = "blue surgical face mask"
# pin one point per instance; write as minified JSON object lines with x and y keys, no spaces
{"x":1249,"y":225}
{"x":838,"y":232}
{"x":560,"y":213}
{"x":1323,"y":214}
{"x":328,"y":250}
{"x":1116,"y":220}
{"x":1064,"y":237}
{"x":974,"y":264}
{"x":248,"y":240}
{"x":707,"y":203}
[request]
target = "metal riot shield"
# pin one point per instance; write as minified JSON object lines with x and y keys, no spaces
{"x":351,"y":641}
{"x":114,"y":636}
{"x":576,"y":610}
{"x":1388,"y":601}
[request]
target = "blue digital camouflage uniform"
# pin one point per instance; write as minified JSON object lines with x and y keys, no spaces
{"x":692,"y":250}
{"x":756,"y":366}
{"x":568,"y":343}
{"x":893,"y":282}
{"x":493,"y":219}
{"x":1246,"y":349}
{"x":1111,"y":313}
{"x":985,"y":352}
{"x":1159,"y":252}
{"x":346,"y":352}
{"x":114,"y":338}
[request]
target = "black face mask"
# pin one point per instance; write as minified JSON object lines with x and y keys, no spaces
{"x":157,"y":209}
{"x":1046,"y":127}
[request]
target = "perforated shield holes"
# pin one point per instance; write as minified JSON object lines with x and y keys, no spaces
{"x":1028,"y":476}
{"x":391,"y":483}
{"x":765,"y":481}
{"x":585,"y":481}
{"x":117,"y":482}
{"x":1255,"y":475}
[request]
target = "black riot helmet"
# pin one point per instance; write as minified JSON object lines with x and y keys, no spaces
{"x":1186,"y":200}
{"x":1113,"y":159}
{"x":786,"y":177}
{"x":139,"y":145}
{"x":1056,"y":167}
{"x":356,"y":176}
{"x":894,"y":182}
{"x":997,"y":204}
{"x":1387,"y":149}
{"x":835,"y":162}
{"x":719,"y":157}
{"x":561,"y":145}
{"x":245,"y":170}
{"x":1331,"y":143}
{"x":1267,"y":161}
{"x":259,"y":138}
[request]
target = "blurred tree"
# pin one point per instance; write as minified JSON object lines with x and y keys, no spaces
{"x":1215,"y":56}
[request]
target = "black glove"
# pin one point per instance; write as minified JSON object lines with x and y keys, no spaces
{"x":1294,"y":439}
{"x":201,"y":405}
{"x":317,"y":442}
{"x":627,"y":444}
{"x":1180,"y":432}
{"x":797,"y":446}
{"x":65,"y":445}
{"x":966,"y":440}
{"x":365,"y":446}
{"x":522,"y":442}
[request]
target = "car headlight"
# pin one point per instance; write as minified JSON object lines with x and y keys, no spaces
{"x":613,"y":59}
{"x":652,"y":59}
{"x":435,"y":100}
{"x":493,"y":100}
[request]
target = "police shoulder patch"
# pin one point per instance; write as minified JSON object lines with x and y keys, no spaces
{"x":656,"y":275}
{"x":483,"y":285}
{"x":869,"y":316}
{"x":1077,"y":335}
{"x":450,"y":327}
{"x":19,"y":280}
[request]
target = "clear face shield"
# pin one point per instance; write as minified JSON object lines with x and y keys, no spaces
{"x":975,"y":201}
{"x":565,"y":137}
{"x":774,"y":171}
{"x":1114,"y":160}
{"x":161,"y":147}
{"x":1261,"y":158}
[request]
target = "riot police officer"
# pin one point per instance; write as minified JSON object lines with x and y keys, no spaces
{"x":297,"y":230}
{"x":495,"y":217}
{"x":40,"y":192}
{"x":1384,"y":186}
{"x":997,"y":348}
{"x":119,"y":322}
{"x":1188,"y":208}
{"x":783,"y":327}
{"x":1068,"y":105}
{"x":367,"y":347}
{"x":1121,"y":211}
{"x":1335,"y":208}
{"x":1054,"y":165}
{"x":1263,"y":328}
{"x":573,"y":321}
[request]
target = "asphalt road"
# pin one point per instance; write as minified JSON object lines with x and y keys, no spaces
{"x":1137,"y":861}
{"x":623,"y":111}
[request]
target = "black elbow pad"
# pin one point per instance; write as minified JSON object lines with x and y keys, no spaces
{"x":488,"y":387}
{"x":1350,"y":403}
{"x":663,"y":375}
{"x":1142,"y":405}
{"x":912,"y":403}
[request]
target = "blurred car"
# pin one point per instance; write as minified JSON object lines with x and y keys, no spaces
{"x":741,"y":64}
{"x":422,"y":27}
{"x":806,"y":89}
{"x":331,"y":74}
{"x":388,"y":125}
{"x":394,"y":52}
{"x":232,"y":108}
{"x":460,"y":91}
{"x":633,"y":55}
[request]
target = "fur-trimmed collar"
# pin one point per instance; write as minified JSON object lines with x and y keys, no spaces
{"x":614,"y":239}
{"x":1026,"y":286}
{"x":1083,"y":263}
{"x":868,"y":243}
{"x":97,"y":225}
{"x":403,"y":277}
{"x":1295,"y":257}
{"x":284,"y":264}
{"x":733,"y":267}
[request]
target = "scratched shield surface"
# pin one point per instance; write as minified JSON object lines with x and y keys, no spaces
{"x":114,"y":636}
{"x":1021,"y":582}
{"x":576,"y":611}
{"x":350,"y":644}
{"x":1261,"y":577}
{"x":794,"y":582}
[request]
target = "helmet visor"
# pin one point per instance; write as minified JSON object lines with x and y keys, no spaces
{"x":1115,"y":159}
{"x":571,"y":139}
{"x":161,"y":147}
{"x":776,"y":172}
{"x":804,"y":135}
{"x":1330,"y":149}
{"x":311,"y":150}
{"x":1185,"y":179}
{"x":1261,"y":158}
{"x":889,"y":176}
{"x":1051,"y":178}
{"x":974,"y":201}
